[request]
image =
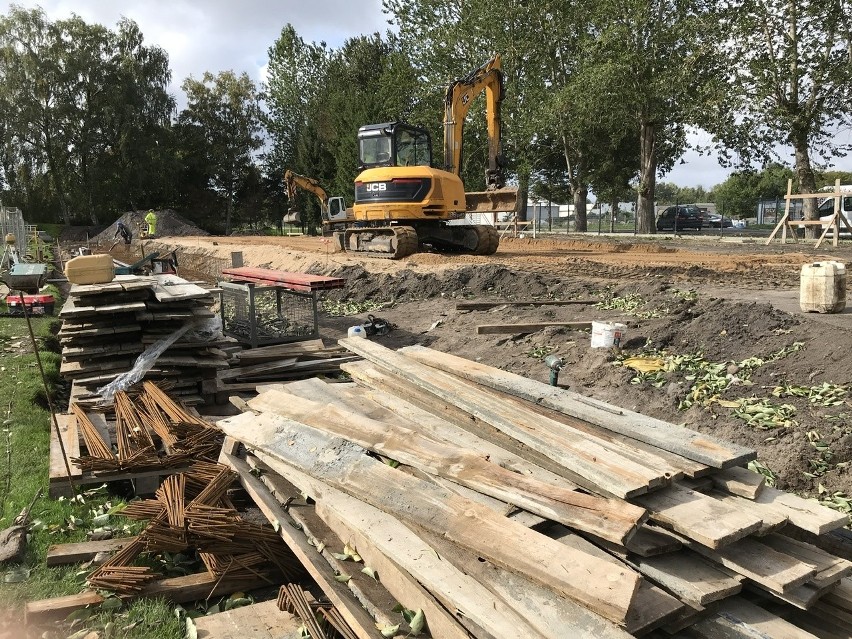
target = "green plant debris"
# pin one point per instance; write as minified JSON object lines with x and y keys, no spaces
{"x":343,"y":308}
{"x":540,"y":352}
{"x":825,"y":394}
{"x":820,"y":464}
{"x":688,"y":296}
{"x":764,"y":415}
{"x":708,"y":380}
{"x":838,"y":500}
{"x":629,"y":305}
{"x":770,"y":477}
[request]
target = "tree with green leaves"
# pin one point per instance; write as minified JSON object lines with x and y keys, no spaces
{"x":86,"y":114}
{"x":658,"y":58}
{"x":790,"y":81}
{"x":224,"y":111}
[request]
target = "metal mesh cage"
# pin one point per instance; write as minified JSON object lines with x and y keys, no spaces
{"x":259,"y":315}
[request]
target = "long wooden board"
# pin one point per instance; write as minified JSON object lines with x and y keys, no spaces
{"x":258,"y":621}
{"x":174,"y":589}
{"x":691,"y":444}
{"x":511,"y":329}
{"x":482,"y":305}
{"x":609,"y":519}
{"x":73,"y":553}
{"x":775,"y":571}
{"x":689,"y":577}
{"x":807,"y":514}
{"x":382,"y":539}
{"x":697,"y":516}
{"x":345,"y":466}
{"x":739,"y":619}
{"x":337,"y":592}
{"x":381,"y":389}
{"x":592,"y":463}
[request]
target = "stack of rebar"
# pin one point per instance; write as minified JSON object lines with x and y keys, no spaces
{"x":152,"y":431}
{"x":192,"y":511}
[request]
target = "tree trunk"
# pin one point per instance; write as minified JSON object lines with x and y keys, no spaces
{"x":647,"y":177}
{"x":523,"y":193}
{"x":56,"y":178}
{"x":581,"y":222}
{"x":613,"y":216}
{"x":229,"y":207}
{"x":807,"y":183}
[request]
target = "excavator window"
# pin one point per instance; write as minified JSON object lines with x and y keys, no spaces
{"x":412,"y":148}
{"x":394,"y":144}
{"x":375,"y":150}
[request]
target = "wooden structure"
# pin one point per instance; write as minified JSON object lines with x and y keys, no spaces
{"x":833,"y":224}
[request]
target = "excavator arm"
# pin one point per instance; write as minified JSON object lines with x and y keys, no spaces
{"x":295,"y":181}
{"x":459,"y":98}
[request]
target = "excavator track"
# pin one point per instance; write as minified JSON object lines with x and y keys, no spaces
{"x":402,"y":240}
{"x":489,"y":240}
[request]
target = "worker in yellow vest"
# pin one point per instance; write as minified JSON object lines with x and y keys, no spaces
{"x":151,"y":221}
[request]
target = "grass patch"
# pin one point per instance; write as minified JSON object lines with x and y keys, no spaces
{"x":24,"y":459}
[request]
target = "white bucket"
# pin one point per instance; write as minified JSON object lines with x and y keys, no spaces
{"x":607,"y":334}
{"x":356,"y":331}
{"x":823,"y":287}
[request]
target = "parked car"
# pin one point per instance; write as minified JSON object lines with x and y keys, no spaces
{"x":716,"y":221}
{"x":683,"y":216}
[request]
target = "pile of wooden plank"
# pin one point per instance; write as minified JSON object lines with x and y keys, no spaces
{"x":281,"y":362}
{"x":107,"y":326}
{"x":141,"y":438}
{"x":502,"y":507}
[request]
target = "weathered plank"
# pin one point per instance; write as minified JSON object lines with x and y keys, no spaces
{"x":688,"y":576}
{"x":830,"y":569}
{"x":346,"y":467}
{"x":71,"y":441}
{"x":807,"y":514}
{"x":174,"y":589}
{"x":691,"y":444}
{"x":482,"y":305}
{"x":773,"y":570}
{"x":697,"y":516}
{"x":739,"y":481}
{"x":771,"y":519}
{"x":320,"y":571}
{"x":610,"y":519}
{"x":591,"y":462}
{"x":736,"y":618}
{"x":258,"y":621}
{"x":382,"y":388}
{"x":73,"y":553}
{"x":510,"y":329}
{"x":402,"y":559}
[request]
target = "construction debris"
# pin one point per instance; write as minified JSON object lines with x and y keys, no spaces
{"x":630,"y":526}
{"x":107,"y":326}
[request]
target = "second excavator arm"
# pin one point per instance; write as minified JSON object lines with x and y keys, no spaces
{"x":459,"y":98}
{"x":293,"y":181}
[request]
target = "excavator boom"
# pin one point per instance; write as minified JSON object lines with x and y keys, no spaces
{"x":459,"y":98}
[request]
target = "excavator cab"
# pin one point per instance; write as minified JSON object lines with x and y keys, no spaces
{"x":393,"y":144}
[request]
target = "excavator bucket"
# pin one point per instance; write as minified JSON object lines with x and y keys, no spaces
{"x":496,"y":201}
{"x":292,"y":217}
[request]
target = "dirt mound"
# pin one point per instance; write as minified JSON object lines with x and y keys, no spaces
{"x":469,"y":281}
{"x":169,"y":224}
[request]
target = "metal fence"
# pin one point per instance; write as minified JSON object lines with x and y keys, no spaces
{"x":12,"y":221}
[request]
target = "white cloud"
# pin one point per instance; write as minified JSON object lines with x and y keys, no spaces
{"x":218,"y":35}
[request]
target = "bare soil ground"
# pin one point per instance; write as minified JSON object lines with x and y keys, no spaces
{"x":733,"y":304}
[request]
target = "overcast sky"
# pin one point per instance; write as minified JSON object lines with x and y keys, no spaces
{"x":217,"y":35}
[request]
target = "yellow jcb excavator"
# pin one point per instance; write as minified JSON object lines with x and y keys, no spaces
{"x":402,"y":201}
{"x":332,"y":209}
